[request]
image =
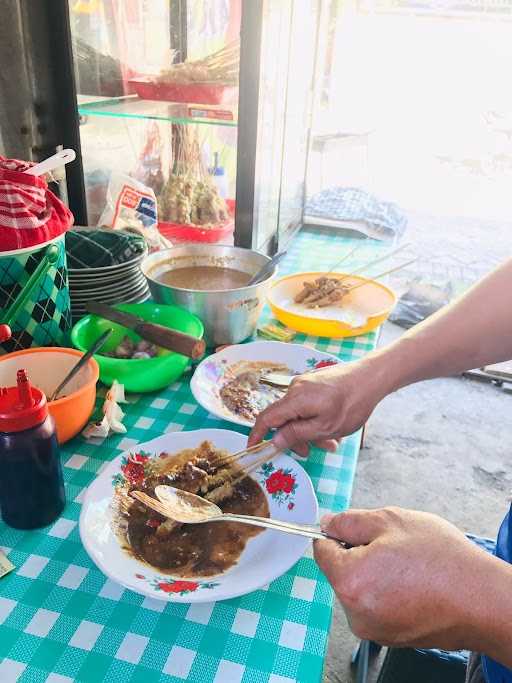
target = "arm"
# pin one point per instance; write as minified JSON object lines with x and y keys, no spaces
{"x":473,"y":331}
{"x":414,"y":580}
{"x":328,"y":404}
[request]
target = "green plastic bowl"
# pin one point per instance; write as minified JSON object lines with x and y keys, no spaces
{"x":144,"y":374}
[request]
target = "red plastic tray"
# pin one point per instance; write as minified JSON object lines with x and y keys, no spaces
{"x":148,"y":88}
{"x":183,"y":232}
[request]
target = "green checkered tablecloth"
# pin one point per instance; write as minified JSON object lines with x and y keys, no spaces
{"x":62,"y":620}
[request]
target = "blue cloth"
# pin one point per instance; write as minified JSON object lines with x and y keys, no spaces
{"x":494,"y":672}
{"x":355,"y":204}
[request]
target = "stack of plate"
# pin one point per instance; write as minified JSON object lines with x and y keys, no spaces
{"x":118,"y":279}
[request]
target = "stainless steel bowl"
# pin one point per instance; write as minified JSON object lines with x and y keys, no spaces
{"x":229,"y":316}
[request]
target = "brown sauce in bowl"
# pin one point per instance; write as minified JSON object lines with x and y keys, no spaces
{"x":199,"y":550}
{"x":205,"y":278}
{"x":188,"y":550}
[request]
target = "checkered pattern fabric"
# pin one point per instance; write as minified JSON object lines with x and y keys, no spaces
{"x":103,"y":248}
{"x":45,"y":319}
{"x":62,"y":620}
{"x":355,"y":204}
{"x":30,"y":214}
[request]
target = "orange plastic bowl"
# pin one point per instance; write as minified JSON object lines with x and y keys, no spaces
{"x":46,"y":368}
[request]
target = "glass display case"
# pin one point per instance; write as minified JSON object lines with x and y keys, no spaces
{"x":205,"y":102}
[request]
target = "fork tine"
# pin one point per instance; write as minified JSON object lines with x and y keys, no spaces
{"x":149,"y":502}
{"x":246,"y":471}
{"x":241,"y":454}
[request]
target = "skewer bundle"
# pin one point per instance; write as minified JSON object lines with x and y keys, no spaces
{"x":190,"y":196}
{"x":221,"y":68}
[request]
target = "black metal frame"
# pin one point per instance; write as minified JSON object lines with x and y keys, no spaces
{"x":64,"y":105}
{"x":41,"y":114}
{"x":178,"y":29}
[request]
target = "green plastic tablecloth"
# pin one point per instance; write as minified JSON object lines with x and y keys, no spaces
{"x":62,"y":620}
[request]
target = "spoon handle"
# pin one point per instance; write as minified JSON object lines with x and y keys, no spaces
{"x":309,"y":530}
{"x":266,"y":269}
{"x":83,"y":360}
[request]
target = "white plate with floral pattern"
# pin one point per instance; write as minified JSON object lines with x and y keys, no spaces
{"x":267,"y":556}
{"x":216,"y":371}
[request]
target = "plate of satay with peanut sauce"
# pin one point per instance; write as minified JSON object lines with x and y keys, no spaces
{"x":330,"y":304}
{"x":148,"y":552}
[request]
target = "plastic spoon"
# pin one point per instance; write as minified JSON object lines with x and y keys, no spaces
{"x":62,"y":158}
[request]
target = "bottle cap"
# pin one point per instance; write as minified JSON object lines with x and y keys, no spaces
{"x":5,"y":333}
{"x":21,"y":407}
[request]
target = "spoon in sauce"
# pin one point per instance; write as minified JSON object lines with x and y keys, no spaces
{"x":265,"y":270}
{"x":187,"y":508}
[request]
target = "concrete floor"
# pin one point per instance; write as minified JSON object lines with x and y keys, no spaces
{"x":438,"y":446}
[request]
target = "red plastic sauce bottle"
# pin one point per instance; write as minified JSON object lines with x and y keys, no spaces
{"x":31,"y":482}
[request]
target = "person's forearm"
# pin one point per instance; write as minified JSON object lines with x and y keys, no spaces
{"x":473,"y":331}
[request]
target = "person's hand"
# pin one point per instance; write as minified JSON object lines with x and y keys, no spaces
{"x":413,"y":580}
{"x":322,"y":406}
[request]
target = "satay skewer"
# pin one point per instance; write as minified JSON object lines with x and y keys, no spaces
{"x":377,"y":277}
{"x":214,"y":494}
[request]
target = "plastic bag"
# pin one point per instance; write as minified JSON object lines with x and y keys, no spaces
{"x":131,"y":205}
{"x":420,"y":301}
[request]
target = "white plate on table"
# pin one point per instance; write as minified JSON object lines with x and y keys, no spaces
{"x":265,"y":557}
{"x":213,"y":372}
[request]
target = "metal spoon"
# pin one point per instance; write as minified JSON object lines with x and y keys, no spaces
{"x":266,"y":269}
{"x":187,"y":508}
{"x":83,"y":360}
{"x":277,"y":380}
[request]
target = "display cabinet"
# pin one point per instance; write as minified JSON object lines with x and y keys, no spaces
{"x":218,"y":91}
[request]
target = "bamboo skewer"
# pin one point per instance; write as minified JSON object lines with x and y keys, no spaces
{"x":378,"y":260}
{"x":232,"y":457}
{"x":222,"y":67}
{"x":246,"y":470}
{"x":347,"y":256}
{"x":345,"y":277}
{"x":377,"y":277}
{"x":156,"y":505}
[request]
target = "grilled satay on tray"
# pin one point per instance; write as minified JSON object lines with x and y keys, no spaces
{"x":322,"y":292}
